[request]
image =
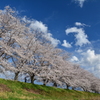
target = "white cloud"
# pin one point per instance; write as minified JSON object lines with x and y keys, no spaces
{"x":49,"y":37}
{"x":81,"y":2}
{"x":40,"y":27}
{"x":81,"y":37}
{"x":91,"y":60}
{"x":89,"y":57}
{"x":36,"y":25}
{"x":66,"y":44}
{"x":74,"y":59}
{"x":78,"y":51}
{"x":81,"y":24}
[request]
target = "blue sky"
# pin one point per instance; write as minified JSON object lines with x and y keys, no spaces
{"x":73,"y":25}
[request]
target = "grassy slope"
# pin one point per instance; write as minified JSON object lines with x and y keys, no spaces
{"x":13,"y":90}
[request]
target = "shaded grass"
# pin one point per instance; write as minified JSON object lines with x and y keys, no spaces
{"x":14,"y":90}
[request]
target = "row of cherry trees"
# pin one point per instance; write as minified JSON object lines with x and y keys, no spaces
{"x":25,"y":51}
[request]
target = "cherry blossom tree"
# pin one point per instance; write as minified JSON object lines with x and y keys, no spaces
{"x":27,"y":52}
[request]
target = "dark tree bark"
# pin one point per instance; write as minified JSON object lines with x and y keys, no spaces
{"x":25,"y":79}
{"x":32,"y":78}
{"x":55,"y":84}
{"x":67,"y":86}
{"x":44,"y":82}
{"x":16,"y":76}
{"x":73,"y":88}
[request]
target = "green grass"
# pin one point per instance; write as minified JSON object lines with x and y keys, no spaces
{"x":13,"y":90}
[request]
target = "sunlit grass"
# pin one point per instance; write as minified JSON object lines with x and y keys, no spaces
{"x":13,"y":90}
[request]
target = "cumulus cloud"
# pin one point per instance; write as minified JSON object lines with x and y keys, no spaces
{"x":36,"y":25}
{"x":91,"y":60}
{"x":66,"y":44}
{"x":40,"y":27}
{"x":81,"y":2}
{"x":49,"y":37}
{"x":74,"y":59}
{"x":81,"y":37}
{"x":88,"y":57}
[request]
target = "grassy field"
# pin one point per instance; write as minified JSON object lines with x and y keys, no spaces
{"x":13,"y":90}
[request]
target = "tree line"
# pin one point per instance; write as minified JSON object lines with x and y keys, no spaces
{"x":26,"y":51}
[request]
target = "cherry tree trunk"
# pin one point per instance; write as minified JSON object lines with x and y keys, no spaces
{"x":67,"y":87}
{"x":16,"y":76}
{"x":44,"y":82}
{"x":55,"y":84}
{"x":32,"y":78}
